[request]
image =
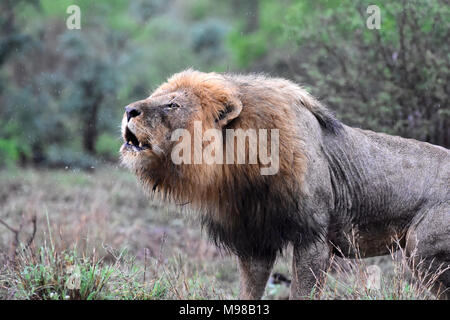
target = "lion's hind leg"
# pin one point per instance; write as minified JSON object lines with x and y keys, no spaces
{"x":428,"y":244}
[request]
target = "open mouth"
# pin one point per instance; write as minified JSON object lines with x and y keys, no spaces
{"x":131,"y":141}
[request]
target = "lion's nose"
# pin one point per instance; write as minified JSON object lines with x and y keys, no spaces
{"x":131,"y":112}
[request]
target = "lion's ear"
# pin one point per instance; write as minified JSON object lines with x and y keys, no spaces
{"x":231,"y":111}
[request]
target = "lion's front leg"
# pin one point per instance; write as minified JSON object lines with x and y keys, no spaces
{"x":253,"y":274}
{"x":308,"y":268}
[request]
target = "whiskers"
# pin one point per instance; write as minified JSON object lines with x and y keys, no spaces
{"x":141,"y":130}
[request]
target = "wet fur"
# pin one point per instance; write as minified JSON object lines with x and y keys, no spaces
{"x":243,"y":212}
{"x":332,"y":178}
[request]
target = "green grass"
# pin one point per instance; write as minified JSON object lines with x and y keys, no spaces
{"x":47,"y":274}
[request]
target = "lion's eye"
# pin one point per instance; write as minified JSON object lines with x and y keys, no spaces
{"x":171,"y":106}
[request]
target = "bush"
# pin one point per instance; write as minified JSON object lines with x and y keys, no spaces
{"x":69,"y":157}
{"x":108,"y":146}
{"x":9,"y":152}
{"x":394,"y":79}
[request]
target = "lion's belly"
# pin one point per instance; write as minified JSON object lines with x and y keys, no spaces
{"x":366,"y":240}
{"x":363,"y":247}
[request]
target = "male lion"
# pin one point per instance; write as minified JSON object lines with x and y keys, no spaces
{"x":333,"y":180}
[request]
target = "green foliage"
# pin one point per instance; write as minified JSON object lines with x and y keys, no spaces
{"x":248,"y":48}
{"x":9,"y":152}
{"x":108,"y":146}
{"x":208,"y":38}
{"x":62,"y":92}
{"x":200,"y":9}
{"x":390,"y":80}
{"x":11,"y":147}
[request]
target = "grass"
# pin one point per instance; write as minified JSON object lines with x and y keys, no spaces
{"x":95,"y":235}
{"x":46,"y":274}
{"x":355,"y":279}
{"x":100,"y":230}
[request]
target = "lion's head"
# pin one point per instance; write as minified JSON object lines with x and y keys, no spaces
{"x":190,"y":96}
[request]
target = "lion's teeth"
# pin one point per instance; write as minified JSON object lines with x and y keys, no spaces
{"x":140,"y":144}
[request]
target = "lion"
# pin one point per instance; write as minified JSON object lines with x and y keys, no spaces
{"x":332,"y":180}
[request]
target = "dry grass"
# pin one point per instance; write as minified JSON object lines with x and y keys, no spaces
{"x":97,"y":236}
{"x":102,"y":222}
{"x":356,"y":279}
